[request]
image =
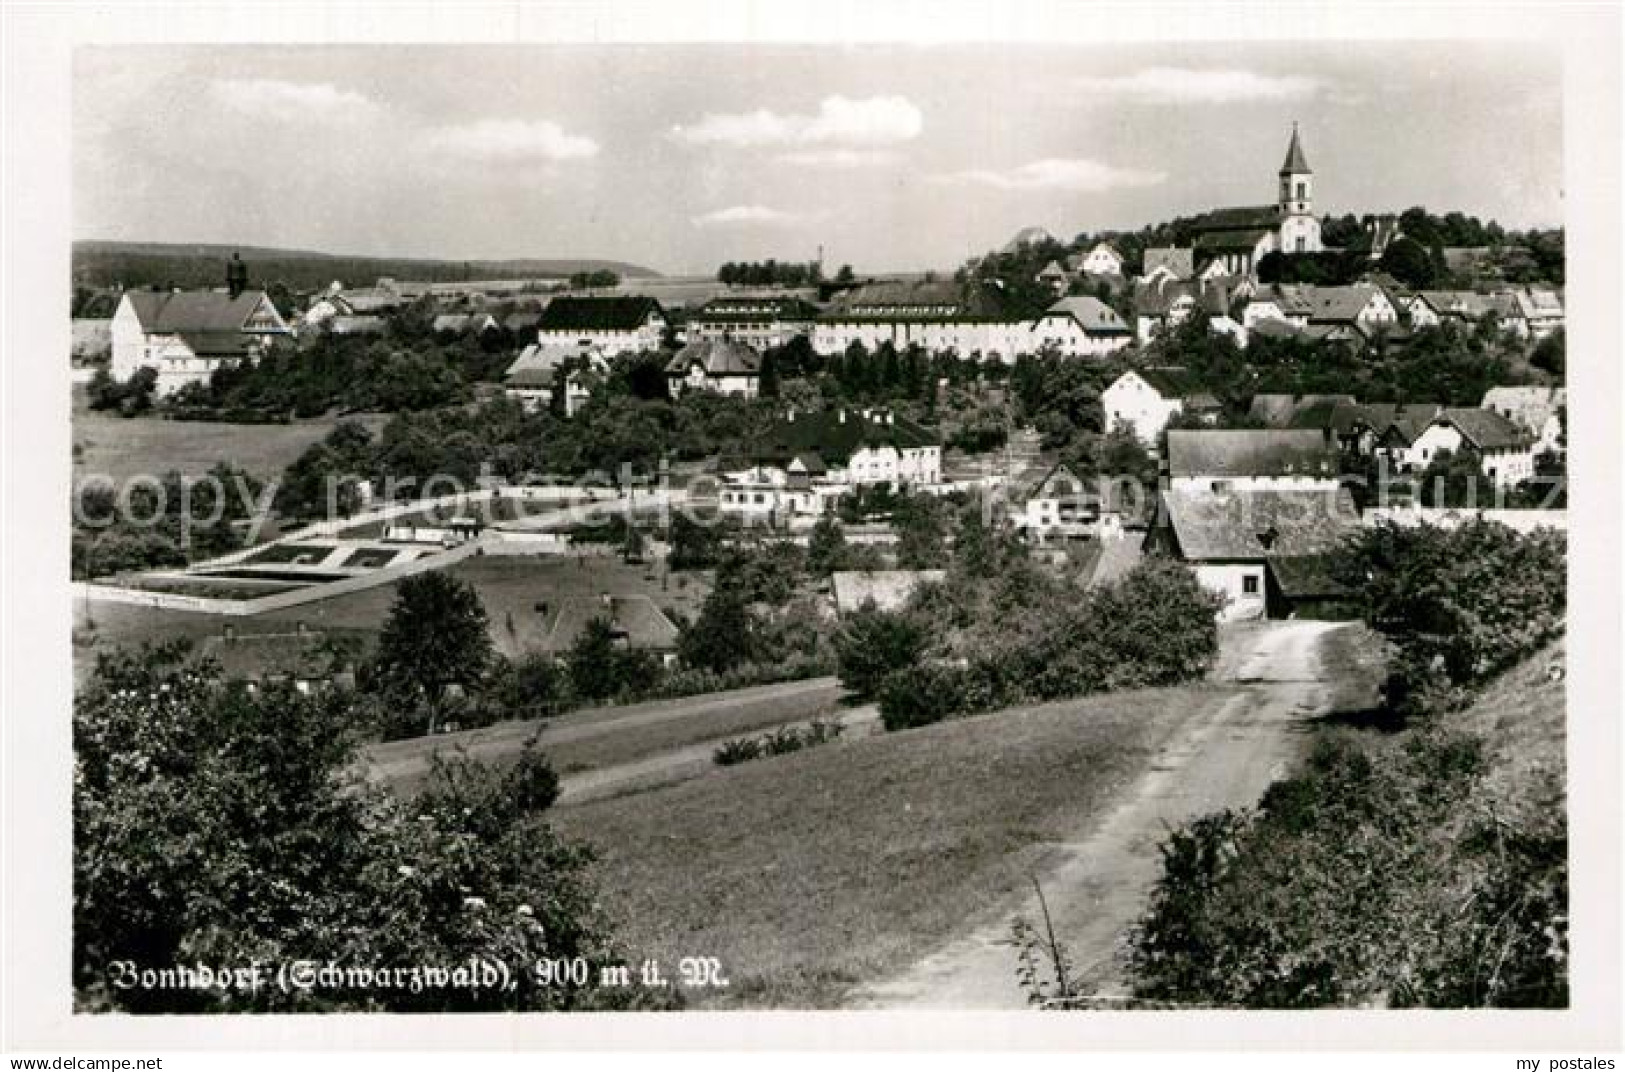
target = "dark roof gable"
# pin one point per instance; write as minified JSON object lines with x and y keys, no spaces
{"x":598,"y":314}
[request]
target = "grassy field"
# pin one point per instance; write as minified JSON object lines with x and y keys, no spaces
{"x":810,"y":872}
{"x":122,"y":448}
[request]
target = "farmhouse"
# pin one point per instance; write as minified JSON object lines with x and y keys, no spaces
{"x":533,"y":374}
{"x":940,"y":316}
{"x":1285,"y":305}
{"x":1362,"y":307}
{"x":635,"y":624}
{"x":613,"y":325}
{"x":1144,"y":399}
{"x":1262,"y":551}
{"x":1225,"y":460}
{"x":1080,"y":327}
{"x":185,"y":335}
{"x":1161,"y":304}
{"x":1060,"y":505}
{"x":720,"y":366}
{"x":1397,"y":427}
{"x":1505,"y":452}
{"x":1055,"y":278}
{"x":1539,"y":310}
{"x":757,"y":320}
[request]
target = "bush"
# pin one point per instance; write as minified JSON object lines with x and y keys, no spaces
{"x":920,"y":695}
{"x":872,"y":644}
{"x":782,"y":741}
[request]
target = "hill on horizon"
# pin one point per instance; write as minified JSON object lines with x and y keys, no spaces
{"x":102,"y":263}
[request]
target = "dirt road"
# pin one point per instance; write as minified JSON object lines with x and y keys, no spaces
{"x":1099,"y":886}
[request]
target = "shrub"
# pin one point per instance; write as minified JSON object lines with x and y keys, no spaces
{"x":782,"y":741}
{"x":920,"y":695}
{"x":873,"y":643}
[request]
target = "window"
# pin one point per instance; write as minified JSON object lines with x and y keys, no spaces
{"x":1249,"y":585}
{"x":1301,"y":187}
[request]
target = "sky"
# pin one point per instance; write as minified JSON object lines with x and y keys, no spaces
{"x":679,"y":158}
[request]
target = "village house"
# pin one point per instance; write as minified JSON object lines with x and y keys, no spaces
{"x":1080,"y":327}
{"x":1161,"y":305}
{"x":1398,"y":426}
{"x":719,"y":366}
{"x":1263,"y":552}
{"x":1251,"y":459}
{"x":1060,"y":505}
{"x":1537,"y":410}
{"x":1172,"y":263}
{"x":1102,"y":259}
{"x":941,"y":316}
{"x":336,"y":302}
{"x":1361,"y":307}
{"x":1053,"y":276}
{"x":1144,"y":400}
{"x":635,"y":624}
{"x":1539,"y":310}
{"x":807,"y":460}
{"x":1284,"y":305}
{"x":761,"y":321}
{"x":1505,"y":452}
{"x":356,"y":325}
{"x":458,"y":325}
{"x":184,"y":335}
{"x":534,"y":374}
{"x":614,"y":326}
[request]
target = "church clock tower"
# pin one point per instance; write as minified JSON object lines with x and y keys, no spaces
{"x":1300,"y":230}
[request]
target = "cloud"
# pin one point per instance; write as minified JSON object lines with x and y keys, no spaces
{"x":746,"y":216}
{"x":512,"y":141}
{"x":839,"y":158}
{"x":1186,"y":85}
{"x":1085,"y":176}
{"x":839,"y":121}
{"x":274,"y":98}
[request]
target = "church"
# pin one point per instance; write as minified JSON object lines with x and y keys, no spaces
{"x":1232,"y":241}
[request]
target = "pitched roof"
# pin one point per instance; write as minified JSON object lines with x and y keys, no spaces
{"x":1258,"y":525}
{"x":1463,"y":303}
{"x":356,"y":325}
{"x":834,"y":434}
{"x":1157,"y":297}
{"x":718,"y":357}
{"x":537,"y":363}
{"x":920,"y":300}
{"x":1231,"y":240}
{"x":746,"y":308}
{"x":1245,"y":217}
{"x":1169,"y":381}
{"x":1485,"y":429}
{"x":888,"y":589}
{"x":1180,"y":261}
{"x":1273,"y":409}
{"x":570,"y":313}
{"x":219,"y":343}
{"x":1334,"y":305}
{"x":1250,"y":452}
{"x":1405,"y":420}
{"x":178,"y":312}
{"x":1094,"y":316}
{"x":1295,"y":163}
{"x":634,"y":619}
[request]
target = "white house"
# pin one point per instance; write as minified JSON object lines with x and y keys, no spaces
{"x":1262,"y":552}
{"x":1144,"y":400}
{"x":1162,"y":304}
{"x":1252,"y":459}
{"x":1504,"y":451}
{"x":1080,"y":327}
{"x":1060,"y":505}
{"x":186,"y":334}
{"x":1283,"y":305}
{"x":1362,"y":307}
{"x":1102,"y":259}
{"x":614,"y":326}
{"x":720,"y":366}
{"x":1541,"y":310}
{"x":534,"y":373}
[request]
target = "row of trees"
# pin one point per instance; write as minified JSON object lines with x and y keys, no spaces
{"x":773,"y":273}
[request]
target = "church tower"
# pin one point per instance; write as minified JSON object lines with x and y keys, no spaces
{"x":1300,"y":230}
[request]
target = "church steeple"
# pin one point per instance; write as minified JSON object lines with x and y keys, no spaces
{"x":1295,"y":164}
{"x":1297,"y":181}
